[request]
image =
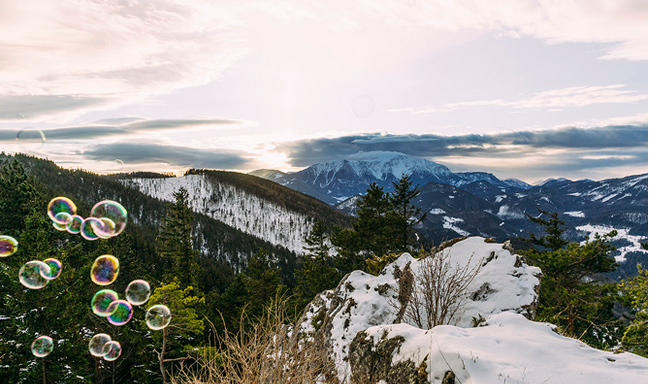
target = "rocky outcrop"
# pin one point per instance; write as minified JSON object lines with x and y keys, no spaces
{"x":334,"y":318}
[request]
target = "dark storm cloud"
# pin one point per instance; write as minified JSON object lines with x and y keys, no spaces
{"x":180,"y":156}
{"x":630,"y":138}
{"x":121,"y":126}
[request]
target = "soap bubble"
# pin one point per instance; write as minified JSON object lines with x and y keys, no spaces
{"x":32,"y":274}
{"x":87,"y":231}
{"x":118,"y":165}
{"x":363,"y":106}
{"x":158,"y":317}
{"x":30,"y":138}
{"x":101,"y":302}
{"x":104,"y":270}
{"x":97,"y":343}
{"x":74,"y":225}
{"x":110,"y":210}
{"x":112,"y":350}
{"x":55,"y":268}
{"x":42,"y":346}
{"x":58,"y":205}
{"x":104,"y":228}
{"x":138,"y":292}
{"x":121,"y":312}
{"x":8,"y":246}
{"x":59,"y":227}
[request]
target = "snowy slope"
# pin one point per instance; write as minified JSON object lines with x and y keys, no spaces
{"x":237,"y":208}
{"x":508,"y":349}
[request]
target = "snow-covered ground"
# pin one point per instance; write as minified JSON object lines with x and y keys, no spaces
{"x":622,"y":234}
{"x":234,"y":207}
{"x":510,"y":349}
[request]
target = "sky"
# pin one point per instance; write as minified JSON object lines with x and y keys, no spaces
{"x":519,"y":88}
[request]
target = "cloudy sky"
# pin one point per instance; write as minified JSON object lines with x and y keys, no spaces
{"x":520,"y":88}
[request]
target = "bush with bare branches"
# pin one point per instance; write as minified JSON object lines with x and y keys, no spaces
{"x":439,"y":291}
{"x":267,"y":352}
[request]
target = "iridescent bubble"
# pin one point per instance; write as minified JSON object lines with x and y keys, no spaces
{"x":58,"y":205}
{"x":87,"y":230}
{"x":121,"y":312}
{"x":105,"y":228}
{"x":31,"y":274}
{"x":30,"y":138}
{"x":42,"y":346}
{"x":97,"y":343}
{"x":138,"y":292}
{"x":8,"y":246}
{"x":363,"y":106}
{"x":118,"y":165}
{"x":59,"y":227}
{"x":112,"y":350}
{"x":158,"y":317}
{"x":104,"y":270}
{"x":111,"y":210}
{"x":101,"y":302}
{"x":55,"y":268}
{"x":74,"y":225}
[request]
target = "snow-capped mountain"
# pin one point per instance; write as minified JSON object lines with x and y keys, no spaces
{"x":245,"y":205}
{"x":335,"y":181}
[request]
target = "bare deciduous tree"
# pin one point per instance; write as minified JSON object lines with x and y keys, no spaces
{"x":439,"y":291}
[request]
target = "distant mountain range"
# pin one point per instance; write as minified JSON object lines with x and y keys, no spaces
{"x":478,"y":203}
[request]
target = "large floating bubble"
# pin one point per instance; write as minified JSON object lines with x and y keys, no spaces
{"x":101,"y":302}
{"x":55,"y":269}
{"x":32,"y":274}
{"x":138,"y":292}
{"x":112,"y":350}
{"x":42,"y":346}
{"x":104,"y":270}
{"x":61,"y":205}
{"x":97,"y":343}
{"x":121,"y":312}
{"x":74,"y":225}
{"x":158,"y":317}
{"x":113,"y":211}
{"x":8,"y":246}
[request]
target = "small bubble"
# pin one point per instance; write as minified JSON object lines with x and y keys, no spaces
{"x":87,"y":231}
{"x":60,"y":210}
{"x":101,"y":302}
{"x":112,"y":350}
{"x":32,"y":274}
{"x":118,"y":165}
{"x":138,"y":292}
{"x":74,"y":225}
{"x":363,"y":106}
{"x":121,"y":312}
{"x":8,"y":246}
{"x":158,"y":317}
{"x":112,"y":211}
{"x":30,"y":139}
{"x":42,"y":346}
{"x":55,"y":268}
{"x":104,"y":270}
{"x":20,"y":116}
{"x":97,"y":343}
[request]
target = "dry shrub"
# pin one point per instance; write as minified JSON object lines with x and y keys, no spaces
{"x":264,"y":353}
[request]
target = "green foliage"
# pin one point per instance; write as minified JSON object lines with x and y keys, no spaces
{"x":262,"y":282}
{"x":570,"y":295}
{"x":635,"y":290}
{"x":375,"y":264}
{"x":318,"y":272}
{"x":175,"y":239}
{"x":384,"y":225}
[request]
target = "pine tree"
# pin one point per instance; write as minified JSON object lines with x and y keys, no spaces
{"x":175,"y":240}
{"x":318,"y":272}
{"x":405,"y":213}
{"x":570,"y":296}
{"x":262,"y":282}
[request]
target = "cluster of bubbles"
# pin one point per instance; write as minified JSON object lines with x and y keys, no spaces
{"x":107,"y":218}
{"x":36,"y":274}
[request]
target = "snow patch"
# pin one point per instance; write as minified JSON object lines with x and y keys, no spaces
{"x":449,"y":223}
{"x":622,"y":234}
{"x":437,"y":211}
{"x":575,"y":214}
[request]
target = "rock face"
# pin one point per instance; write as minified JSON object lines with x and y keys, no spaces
{"x":502,"y":283}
